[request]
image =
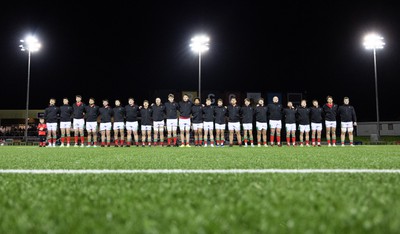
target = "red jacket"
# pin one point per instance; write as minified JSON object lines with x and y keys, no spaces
{"x":42,"y":128}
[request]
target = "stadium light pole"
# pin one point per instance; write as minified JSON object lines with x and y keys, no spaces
{"x":374,"y":42}
{"x":30,"y":44}
{"x":199,"y":45}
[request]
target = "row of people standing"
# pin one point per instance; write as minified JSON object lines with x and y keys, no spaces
{"x":201,"y":118}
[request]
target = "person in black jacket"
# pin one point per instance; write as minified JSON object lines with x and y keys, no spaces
{"x":146,"y":122}
{"x":303,"y":118}
{"x":131,"y":114}
{"x":290,"y":123}
{"x":261,"y":123}
{"x":65,"y":122}
{"x":220,"y":122}
{"x":208,"y":124}
{"x":51,"y":116}
{"x":78,"y":121}
{"x":197,"y":122}
{"x":158,"y":112}
{"x":171,"y":111}
{"x":275,"y":120}
{"x":105,"y":123}
{"x":92,"y":112}
{"x":119,"y":124}
{"x":234,"y":122}
{"x":348,"y":120}
{"x":316,"y":122}
{"x":247,"y":113}
{"x":185,"y":109}
{"x":330,"y":113}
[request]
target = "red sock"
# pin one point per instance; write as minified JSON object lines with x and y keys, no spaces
{"x":245,"y":141}
{"x":121,"y":142}
{"x":288,"y":140}
{"x":334,"y":141}
{"x":313,"y":140}
{"x":68,"y":140}
{"x":103,"y":143}
{"x":82,"y":139}
{"x":294,"y":139}
{"x":278,"y":139}
{"x":251,"y":141}
{"x":76,"y":139}
{"x":116,"y":142}
{"x":319,"y":140}
{"x":94,"y":143}
{"x":307,"y":142}
{"x":128,"y":142}
{"x":272,"y":139}
{"x":169,"y":141}
{"x":62,"y":139}
{"x":175,"y":139}
{"x":329,"y":141}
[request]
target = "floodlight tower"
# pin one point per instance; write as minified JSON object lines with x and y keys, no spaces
{"x":199,"y":45}
{"x":30,"y":44}
{"x":374,"y":42}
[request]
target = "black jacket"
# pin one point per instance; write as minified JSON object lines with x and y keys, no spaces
{"x":171,"y":109}
{"x":119,"y":114}
{"x":79,"y":111}
{"x":261,"y":114}
{"x":158,"y":112}
{"x":92,"y":112}
{"x":220,"y":114}
{"x":233,"y":113}
{"x":290,"y":115}
{"x":347,"y":113}
{"x":303,"y":115}
{"x":316,"y":114}
{"x":106,"y":113}
{"x":66,"y":113}
{"x":247,"y":113}
{"x":51,"y":114}
{"x":208,"y":113}
{"x":197,"y":114}
{"x":330,"y":113}
{"x":185,"y":108}
{"x":145,"y":115}
{"x":275,"y":111}
{"x":131,"y":112}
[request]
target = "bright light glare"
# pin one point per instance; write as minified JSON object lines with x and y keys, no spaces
{"x":373,"y":41}
{"x":31,"y":44}
{"x":200,"y":43}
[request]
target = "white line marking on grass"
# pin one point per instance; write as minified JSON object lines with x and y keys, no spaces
{"x":196,"y":171}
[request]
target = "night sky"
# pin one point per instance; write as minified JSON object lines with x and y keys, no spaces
{"x":117,"y":50}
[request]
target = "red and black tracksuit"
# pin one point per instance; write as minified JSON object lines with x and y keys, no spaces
{"x":42,"y":132}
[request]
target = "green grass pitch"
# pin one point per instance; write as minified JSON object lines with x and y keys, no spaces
{"x":200,"y":203}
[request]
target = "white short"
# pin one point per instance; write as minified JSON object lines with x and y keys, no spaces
{"x":220,"y":126}
{"x":65,"y":124}
{"x":208,"y":125}
{"x":260,"y":126}
{"x":105,"y":126}
{"x":184,"y":124}
{"x":146,"y":128}
{"x":316,"y":126}
{"x":234,"y":126}
{"x":131,"y":126}
{"x":247,"y":126}
{"x":330,"y":124}
{"x":91,"y":126}
{"x":290,"y":127}
{"x":197,"y":126}
{"x":118,"y":125}
{"x":51,"y":126}
{"x":275,"y":124}
{"x":172,"y":124}
{"x":78,"y":123}
{"x":158,"y":125}
{"x":346,"y":126}
{"x":304,"y":128}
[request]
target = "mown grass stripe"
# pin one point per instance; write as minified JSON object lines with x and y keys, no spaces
{"x":196,"y":171}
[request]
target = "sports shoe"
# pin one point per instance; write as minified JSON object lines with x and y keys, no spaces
{"x":62,"y":145}
{"x":94,"y":146}
{"x":182,"y":146}
{"x":352,"y":145}
{"x":258,"y":145}
{"x":82,"y":145}
{"x":301,"y":145}
{"x":212,"y":145}
{"x":329,"y":145}
{"x":88,"y":146}
{"x":334,"y":145}
{"x":245,"y":145}
{"x":205,"y":145}
{"x":75,"y":145}
{"x":188,"y":145}
{"x":342,"y":145}
{"x":68,"y":145}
